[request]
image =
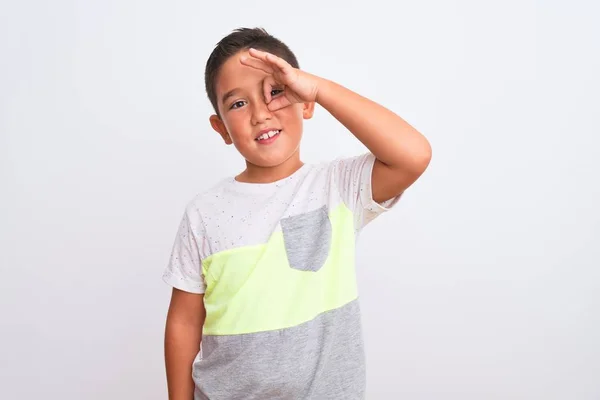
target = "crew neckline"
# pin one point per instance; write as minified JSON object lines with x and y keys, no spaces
{"x":253,"y":187}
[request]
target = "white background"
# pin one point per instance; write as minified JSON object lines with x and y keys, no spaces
{"x":483,"y":283}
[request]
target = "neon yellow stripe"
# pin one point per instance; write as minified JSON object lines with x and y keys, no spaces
{"x":254,"y":289}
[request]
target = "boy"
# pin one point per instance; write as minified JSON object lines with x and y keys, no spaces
{"x":264,"y":302}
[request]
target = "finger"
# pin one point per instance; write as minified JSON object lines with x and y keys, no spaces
{"x":268,"y":84}
{"x":256,"y":64}
{"x":271,"y":59}
{"x":278,"y":103}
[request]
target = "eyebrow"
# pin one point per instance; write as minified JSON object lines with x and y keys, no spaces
{"x":228,"y":95}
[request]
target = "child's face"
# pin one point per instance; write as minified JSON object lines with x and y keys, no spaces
{"x":244,"y":114}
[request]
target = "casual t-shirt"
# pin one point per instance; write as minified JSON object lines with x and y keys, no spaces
{"x":276,"y":264}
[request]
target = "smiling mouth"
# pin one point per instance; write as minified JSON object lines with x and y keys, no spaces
{"x":268,"y":135}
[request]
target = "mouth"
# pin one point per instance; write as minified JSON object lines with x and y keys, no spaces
{"x":268,"y":136}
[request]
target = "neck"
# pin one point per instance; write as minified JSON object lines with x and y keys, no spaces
{"x":258,"y":174}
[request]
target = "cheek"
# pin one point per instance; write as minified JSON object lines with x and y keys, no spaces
{"x":234,"y":124}
{"x":291,"y":117}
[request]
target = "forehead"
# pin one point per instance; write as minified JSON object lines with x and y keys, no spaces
{"x":234,"y":75}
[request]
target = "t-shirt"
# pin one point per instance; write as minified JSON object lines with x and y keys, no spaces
{"x":276,"y":264}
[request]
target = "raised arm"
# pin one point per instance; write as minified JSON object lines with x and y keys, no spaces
{"x":402,"y":153}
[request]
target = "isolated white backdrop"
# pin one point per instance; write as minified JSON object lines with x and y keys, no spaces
{"x":484,"y":282}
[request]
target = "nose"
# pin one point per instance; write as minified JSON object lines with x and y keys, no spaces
{"x":260,"y":112}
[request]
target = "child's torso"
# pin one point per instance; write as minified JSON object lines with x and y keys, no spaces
{"x":283,"y":318}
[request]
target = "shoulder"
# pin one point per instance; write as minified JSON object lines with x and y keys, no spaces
{"x":354,"y":161}
{"x":205,"y":201}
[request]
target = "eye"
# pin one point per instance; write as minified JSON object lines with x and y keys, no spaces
{"x":237,"y":104}
{"x":275,"y":92}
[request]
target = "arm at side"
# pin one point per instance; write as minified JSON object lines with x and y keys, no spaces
{"x":183,"y":333}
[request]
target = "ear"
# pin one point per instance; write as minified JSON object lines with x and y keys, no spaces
{"x":308,"y":109}
{"x":218,"y":125}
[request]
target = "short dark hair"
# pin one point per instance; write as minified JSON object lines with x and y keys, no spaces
{"x":242,"y":39}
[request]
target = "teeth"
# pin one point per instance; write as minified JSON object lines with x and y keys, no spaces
{"x":268,"y":135}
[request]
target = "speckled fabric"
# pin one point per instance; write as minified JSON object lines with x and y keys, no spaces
{"x":275,"y":262}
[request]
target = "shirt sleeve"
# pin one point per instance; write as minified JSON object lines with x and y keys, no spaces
{"x":184,"y":270}
{"x":353,"y":177}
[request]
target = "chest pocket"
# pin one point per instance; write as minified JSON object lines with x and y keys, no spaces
{"x":307,"y":239}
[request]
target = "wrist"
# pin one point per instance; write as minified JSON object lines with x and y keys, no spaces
{"x":324,"y":89}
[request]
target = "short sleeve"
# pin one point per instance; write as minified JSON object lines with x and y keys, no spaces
{"x":353,"y":177}
{"x":184,"y":270}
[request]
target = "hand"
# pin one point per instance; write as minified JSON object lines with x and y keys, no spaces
{"x":298,"y":86}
